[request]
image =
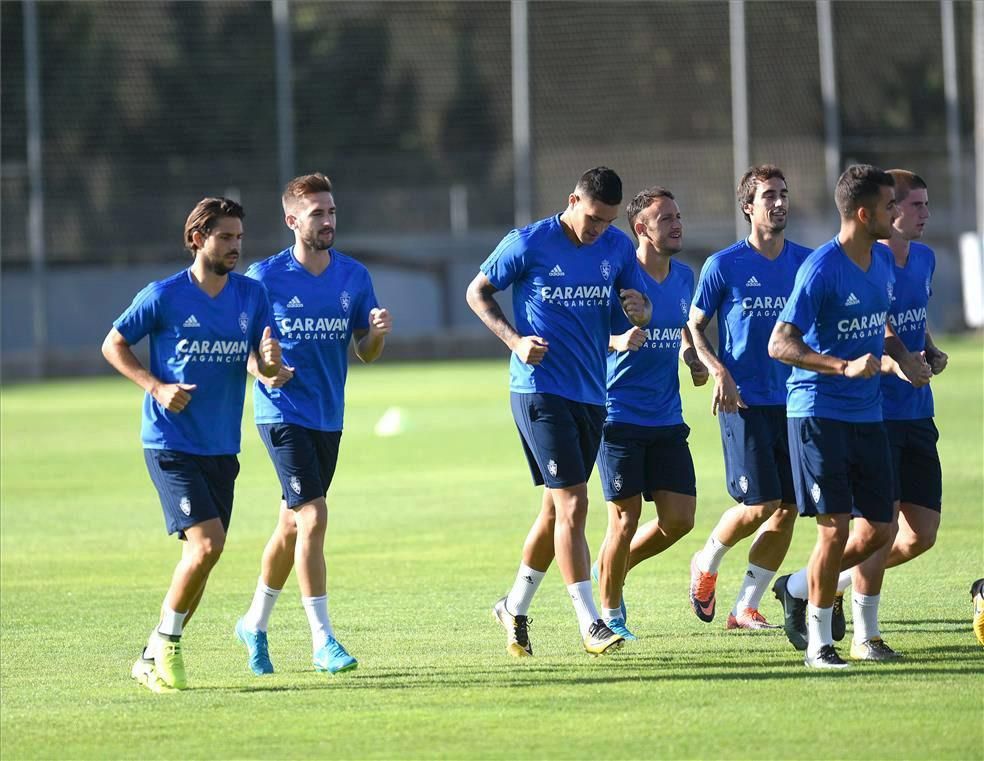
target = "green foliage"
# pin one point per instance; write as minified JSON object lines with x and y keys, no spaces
{"x":424,"y":535}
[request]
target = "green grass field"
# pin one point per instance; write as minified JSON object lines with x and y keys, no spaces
{"x":424,"y":535}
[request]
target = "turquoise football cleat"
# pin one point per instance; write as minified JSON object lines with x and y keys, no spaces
{"x":617,"y":625}
{"x":333,"y":658}
{"x":256,"y":648}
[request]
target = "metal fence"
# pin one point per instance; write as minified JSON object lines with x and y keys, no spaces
{"x":443,"y":124}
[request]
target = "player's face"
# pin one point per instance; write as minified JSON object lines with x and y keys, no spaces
{"x":882,"y":214}
{"x":220,"y":250}
{"x":770,"y":205}
{"x":590,"y":218}
{"x":312,"y":218}
{"x":913,"y":214}
{"x":663,"y":226}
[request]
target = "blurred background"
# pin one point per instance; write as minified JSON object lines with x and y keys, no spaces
{"x":443,"y":125}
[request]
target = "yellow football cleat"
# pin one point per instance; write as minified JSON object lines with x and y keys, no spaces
{"x":601,"y":640}
{"x":517,"y":630}
{"x":169,"y":664}
{"x":977,"y":593}
{"x":144,"y":673}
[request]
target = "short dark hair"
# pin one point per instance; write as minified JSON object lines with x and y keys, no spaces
{"x":601,"y":184}
{"x":642,"y":201}
{"x":303,"y":185}
{"x":906,"y":182}
{"x":750,"y":180}
{"x":859,"y":186}
{"x":206,"y":214}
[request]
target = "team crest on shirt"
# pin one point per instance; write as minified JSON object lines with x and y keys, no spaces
{"x":295,"y":485}
{"x":815,"y":492}
{"x":346,"y":300}
{"x":606,"y":269}
{"x":185,"y":505}
{"x":617,"y":482}
{"x":891,"y":291}
{"x":683,"y":306}
{"x":743,"y":484}
{"x":243,"y":321}
{"x":552,"y":467}
{"x":928,"y":288}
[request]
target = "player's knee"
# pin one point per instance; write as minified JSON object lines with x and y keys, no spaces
{"x":761,"y":513}
{"x":881,"y":534}
{"x":678,"y":525}
{"x":625,"y":523}
{"x":920,"y":543}
{"x":207,"y":550}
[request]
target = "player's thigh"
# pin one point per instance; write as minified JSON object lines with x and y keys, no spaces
{"x":185,"y":493}
{"x":819,"y":456}
{"x":621,"y":462}
{"x":871,"y":472}
{"x":920,"y":473}
{"x":298,"y":461}
{"x":752,"y":467}
{"x":670,"y":463}
{"x":550,"y":429}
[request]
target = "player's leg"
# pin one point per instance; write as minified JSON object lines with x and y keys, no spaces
{"x":822,"y":570}
{"x":613,"y":559}
{"x":674,"y":519}
{"x":920,"y":492}
{"x":918,"y":527}
{"x":765,"y":555}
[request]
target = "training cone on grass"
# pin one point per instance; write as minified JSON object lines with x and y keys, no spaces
{"x":392,"y":423}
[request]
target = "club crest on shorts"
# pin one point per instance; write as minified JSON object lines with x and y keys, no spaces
{"x":552,"y":467}
{"x":346,"y":300}
{"x":243,"y":321}
{"x":617,"y":482}
{"x":815,"y":492}
{"x":606,"y":269}
{"x":743,"y":484}
{"x":295,"y":485}
{"x":185,"y":505}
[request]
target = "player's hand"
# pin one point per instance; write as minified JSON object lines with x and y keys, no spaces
{"x":863,"y":367}
{"x":937,"y":360}
{"x":915,"y":369}
{"x":173,"y":397}
{"x":699,"y":373}
{"x":726,"y":397}
{"x":269,"y":351}
{"x":283,"y":375}
{"x":380,"y":322}
{"x":633,"y":303}
{"x":530,"y":349}
{"x":631,"y":340}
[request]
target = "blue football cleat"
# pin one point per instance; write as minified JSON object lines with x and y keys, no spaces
{"x":621,"y":605}
{"x":256,"y":648}
{"x":617,"y":625}
{"x":333,"y":658}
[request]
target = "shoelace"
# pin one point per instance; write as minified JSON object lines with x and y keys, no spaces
{"x":755,"y":615}
{"x":705,"y":585}
{"x":520,"y":629}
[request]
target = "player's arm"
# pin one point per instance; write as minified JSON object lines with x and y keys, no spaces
{"x":174,"y":397}
{"x":689,"y":357}
{"x":725,"y":396}
{"x":787,"y":345}
{"x":369,"y":341}
{"x":908,"y":365}
{"x":530,"y":349}
{"x":936,"y":357}
{"x":631,"y":340}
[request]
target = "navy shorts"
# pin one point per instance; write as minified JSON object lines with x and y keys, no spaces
{"x":560,"y":437}
{"x":304,"y":459}
{"x":193,"y":488}
{"x":756,"y":455}
{"x":916,"y":462}
{"x":839,"y":465}
{"x":640,"y":459}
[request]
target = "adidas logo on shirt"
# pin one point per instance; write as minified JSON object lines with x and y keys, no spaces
{"x":556,"y":271}
{"x":852,"y":301}
{"x":191,"y":322}
{"x":752,"y":281}
{"x":294,"y":303}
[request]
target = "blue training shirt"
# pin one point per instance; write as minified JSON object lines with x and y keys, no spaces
{"x":913,"y":287}
{"x":748,"y":290}
{"x":564,"y":294}
{"x":841,"y":311}
{"x":315,"y":315}
{"x":197,"y":339}
{"x":644,"y":385}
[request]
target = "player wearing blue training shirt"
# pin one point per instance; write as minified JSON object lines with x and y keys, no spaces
{"x":203,"y":323}
{"x":747,"y":285}
{"x":644,"y":450}
{"x":833,"y":331}
{"x":565,"y":272}
{"x":321,"y":299}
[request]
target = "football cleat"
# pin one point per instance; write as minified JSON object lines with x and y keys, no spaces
{"x":873,"y":649}
{"x":517,"y":630}
{"x":794,"y":613}
{"x":827,"y":658}
{"x":702,"y":586}
{"x":601,"y":640}
{"x":145,"y":673}
{"x":617,"y":625}
{"x":169,"y":664}
{"x":597,"y":580}
{"x":977,"y":593}
{"x":749,"y":618}
{"x":838,"y":624}
{"x":333,"y":658}
{"x":256,"y":649}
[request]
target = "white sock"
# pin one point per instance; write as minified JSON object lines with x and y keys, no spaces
{"x":709,"y":559}
{"x":610,"y":613}
{"x":798,"y":586}
{"x":865,"y":609}
{"x":843,"y":581}
{"x":172,"y":622}
{"x":584,"y":607}
{"x":753,"y":586}
{"x":521,"y":595}
{"x":818,"y":628}
{"x":317,"y":615}
{"x":257,"y":618}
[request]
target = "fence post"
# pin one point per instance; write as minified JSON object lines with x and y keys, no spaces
{"x":828,"y":91}
{"x":35,"y":211}
{"x":739,"y":99}
{"x":522,"y":171}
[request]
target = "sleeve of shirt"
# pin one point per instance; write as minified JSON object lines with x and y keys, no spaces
{"x":367,"y":302}
{"x":141,"y":317}
{"x":690,"y":287}
{"x":507,"y":263}
{"x":932,"y":272}
{"x":806,"y":299}
{"x":264,"y":317}
{"x":710,"y":288}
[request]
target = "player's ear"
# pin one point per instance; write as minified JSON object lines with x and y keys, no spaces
{"x":198,"y":239}
{"x":572,"y":199}
{"x":640,"y":229}
{"x":290,"y":220}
